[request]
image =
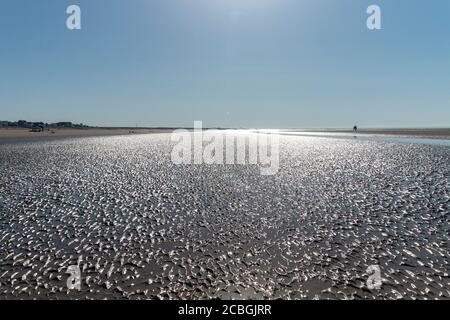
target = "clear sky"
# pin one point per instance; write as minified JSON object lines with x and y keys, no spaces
{"x":230,"y":63}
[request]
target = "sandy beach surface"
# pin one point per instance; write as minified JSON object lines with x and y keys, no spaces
{"x":140,"y":227}
{"x":429,"y":133}
{"x":14,"y":133}
{"x":408,"y":133}
{"x":17,"y":133}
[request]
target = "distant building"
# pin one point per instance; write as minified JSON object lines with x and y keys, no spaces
{"x":64,"y":124}
{"x":22,"y":123}
{"x":38,"y":124}
{"x":43,"y":125}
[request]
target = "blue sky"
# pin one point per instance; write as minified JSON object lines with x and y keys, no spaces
{"x":230,"y":63}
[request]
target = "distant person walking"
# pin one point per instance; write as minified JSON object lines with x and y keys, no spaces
{"x":355,"y":129}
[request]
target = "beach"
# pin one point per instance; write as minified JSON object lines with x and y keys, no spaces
{"x":439,"y":133}
{"x":140,"y":227}
{"x":19,"y":133}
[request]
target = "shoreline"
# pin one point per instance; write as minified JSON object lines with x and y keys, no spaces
{"x":426,"y":133}
{"x":443,"y":134}
{"x":23,"y":133}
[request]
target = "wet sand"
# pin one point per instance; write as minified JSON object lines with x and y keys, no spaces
{"x":140,"y":227}
{"x":425,"y":133}
{"x":14,"y":133}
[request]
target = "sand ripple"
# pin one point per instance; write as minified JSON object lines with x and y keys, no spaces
{"x":140,"y":227}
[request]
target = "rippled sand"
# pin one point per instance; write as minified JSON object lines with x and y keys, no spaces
{"x":142,"y":228}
